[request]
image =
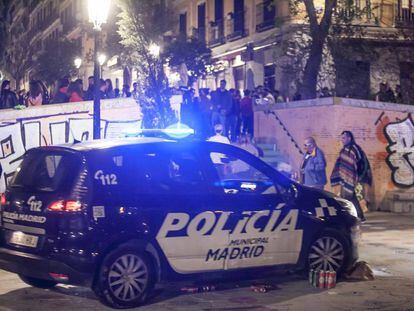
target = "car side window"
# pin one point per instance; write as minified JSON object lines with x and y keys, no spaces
{"x":239,"y":176}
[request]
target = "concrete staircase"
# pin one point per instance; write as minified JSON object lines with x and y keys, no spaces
{"x":271,"y":155}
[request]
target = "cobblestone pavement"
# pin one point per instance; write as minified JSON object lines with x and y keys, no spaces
{"x":387,"y":245}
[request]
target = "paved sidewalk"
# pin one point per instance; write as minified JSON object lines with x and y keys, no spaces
{"x":387,"y":245}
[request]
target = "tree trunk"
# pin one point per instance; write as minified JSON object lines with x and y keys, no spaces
{"x":313,"y":64}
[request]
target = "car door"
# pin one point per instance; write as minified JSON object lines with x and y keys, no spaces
{"x":185,"y":225}
{"x":261,"y":222}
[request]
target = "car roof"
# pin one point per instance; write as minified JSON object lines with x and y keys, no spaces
{"x":101,"y":144}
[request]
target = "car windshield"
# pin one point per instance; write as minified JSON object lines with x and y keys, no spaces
{"x":46,"y":171}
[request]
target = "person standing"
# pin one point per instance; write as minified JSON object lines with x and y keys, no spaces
{"x":88,"y":94}
{"x":35,"y":97}
{"x":246,"y":111}
{"x":313,"y":168}
{"x":109,"y":89}
{"x":222,"y":103}
{"x":351,"y":167}
{"x":61,"y":95}
{"x":75,"y":92}
{"x":8,"y":98}
{"x":218,"y":158}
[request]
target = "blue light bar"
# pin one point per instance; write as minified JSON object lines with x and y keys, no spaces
{"x":177,"y":131}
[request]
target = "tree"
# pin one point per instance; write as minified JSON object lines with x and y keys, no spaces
{"x":140,"y":25}
{"x":335,"y":21}
{"x":56,"y":60}
{"x":191,"y":52}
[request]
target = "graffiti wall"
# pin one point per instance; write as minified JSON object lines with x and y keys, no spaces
{"x":385,"y":132}
{"x":21,"y":130}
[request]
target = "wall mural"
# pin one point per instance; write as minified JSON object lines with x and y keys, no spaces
{"x":400,"y":159}
{"x":16,"y":138}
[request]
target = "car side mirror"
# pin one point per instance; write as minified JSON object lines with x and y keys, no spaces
{"x":291,"y":193}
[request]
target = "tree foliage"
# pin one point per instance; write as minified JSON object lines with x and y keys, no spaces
{"x":333,"y":22}
{"x":56,"y":60}
{"x":142,"y":23}
{"x":191,"y":52}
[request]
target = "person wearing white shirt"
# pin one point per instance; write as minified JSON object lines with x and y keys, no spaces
{"x":218,"y":138}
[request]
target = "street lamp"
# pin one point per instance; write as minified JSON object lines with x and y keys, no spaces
{"x":154,"y":49}
{"x":98,"y":13}
{"x":78,"y":62}
{"x":101,"y":61}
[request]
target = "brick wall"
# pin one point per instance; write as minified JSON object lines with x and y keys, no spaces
{"x":326,"y":118}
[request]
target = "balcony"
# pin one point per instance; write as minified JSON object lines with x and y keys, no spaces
{"x":405,"y":13}
{"x":235,"y":26}
{"x":68,"y":25}
{"x":361,"y":12}
{"x":265,"y":15}
{"x":216,"y":30}
{"x":199,"y":33}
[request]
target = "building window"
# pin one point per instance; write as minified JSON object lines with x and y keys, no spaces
{"x":183,"y":24}
{"x":201,"y":22}
{"x":236,"y":21}
{"x":270,"y":76}
{"x":265,"y":15}
{"x":217,"y":26}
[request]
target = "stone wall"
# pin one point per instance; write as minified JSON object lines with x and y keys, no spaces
{"x":21,"y":130}
{"x":385,"y":132}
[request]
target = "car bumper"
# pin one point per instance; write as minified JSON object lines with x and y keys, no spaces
{"x":34,"y":266}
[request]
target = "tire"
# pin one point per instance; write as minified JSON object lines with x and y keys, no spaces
{"x":125,"y":278}
{"x":329,"y":251}
{"x":39,"y":283}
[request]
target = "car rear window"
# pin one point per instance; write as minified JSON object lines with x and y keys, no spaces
{"x":47,"y":171}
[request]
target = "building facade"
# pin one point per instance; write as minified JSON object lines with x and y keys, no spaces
{"x":34,"y":23}
{"x":259,"y":42}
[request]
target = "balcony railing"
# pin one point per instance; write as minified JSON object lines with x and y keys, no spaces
{"x":68,"y":25}
{"x":216,"y":30}
{"x":199,"y":33}
{"x":362,"y":11}
{"x":236,"y":26}
{"x":405,"y":13}
{"x":265,"y":15}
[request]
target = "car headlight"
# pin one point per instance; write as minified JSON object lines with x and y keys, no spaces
{"x":347,"y":206}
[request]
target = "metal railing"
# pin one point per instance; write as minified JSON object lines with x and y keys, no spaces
{"x":265,"y":15}
{"x":216,"y":31}
{"x":236,"y":26}
{"x":361,"y":11}
{"x":405,"y":13}
{"x":199,"y":33}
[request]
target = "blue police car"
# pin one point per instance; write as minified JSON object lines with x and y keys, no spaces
{"x":120,"y":216}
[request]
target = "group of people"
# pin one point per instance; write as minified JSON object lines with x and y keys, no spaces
{"x":351,"y":169}
{"x":66,"y":91}
{"x":227,"y":107}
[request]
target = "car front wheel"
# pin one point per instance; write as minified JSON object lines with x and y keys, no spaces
{"x":329,"y":251}
{"x":125,"y":278}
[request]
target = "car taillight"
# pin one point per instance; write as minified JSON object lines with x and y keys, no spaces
{"x":65,"y":206}
{"x":2,"y":199}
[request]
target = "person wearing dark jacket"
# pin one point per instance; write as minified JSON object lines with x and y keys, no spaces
{"x":8,"y":99}
{"x":62,"y":94}
{"x":313,"y":168}
{"x":88,"y":94}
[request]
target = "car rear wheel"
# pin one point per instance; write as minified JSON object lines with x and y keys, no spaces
{"x":329,"y":251}
{"x":125,"y":278}
{"x":39,"y":283}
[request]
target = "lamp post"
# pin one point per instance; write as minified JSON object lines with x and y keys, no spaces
{"x":78,"y":63}
{"x":101,"y":60}
{"x":98,"y":13}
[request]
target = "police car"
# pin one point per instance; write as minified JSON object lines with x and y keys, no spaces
{"x":120,"y":216}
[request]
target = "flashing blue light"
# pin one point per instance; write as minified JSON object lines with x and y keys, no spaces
{"x":177,"y":131}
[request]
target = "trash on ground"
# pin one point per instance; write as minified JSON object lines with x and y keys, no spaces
{"x":198,"y":289}
{"x":262,"y":288}
{"x":361,"y":271}
{"x":322,"y":279}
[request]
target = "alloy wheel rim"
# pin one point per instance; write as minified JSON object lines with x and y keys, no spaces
{"x":128,"y":277}
{"x":327,"y":253}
